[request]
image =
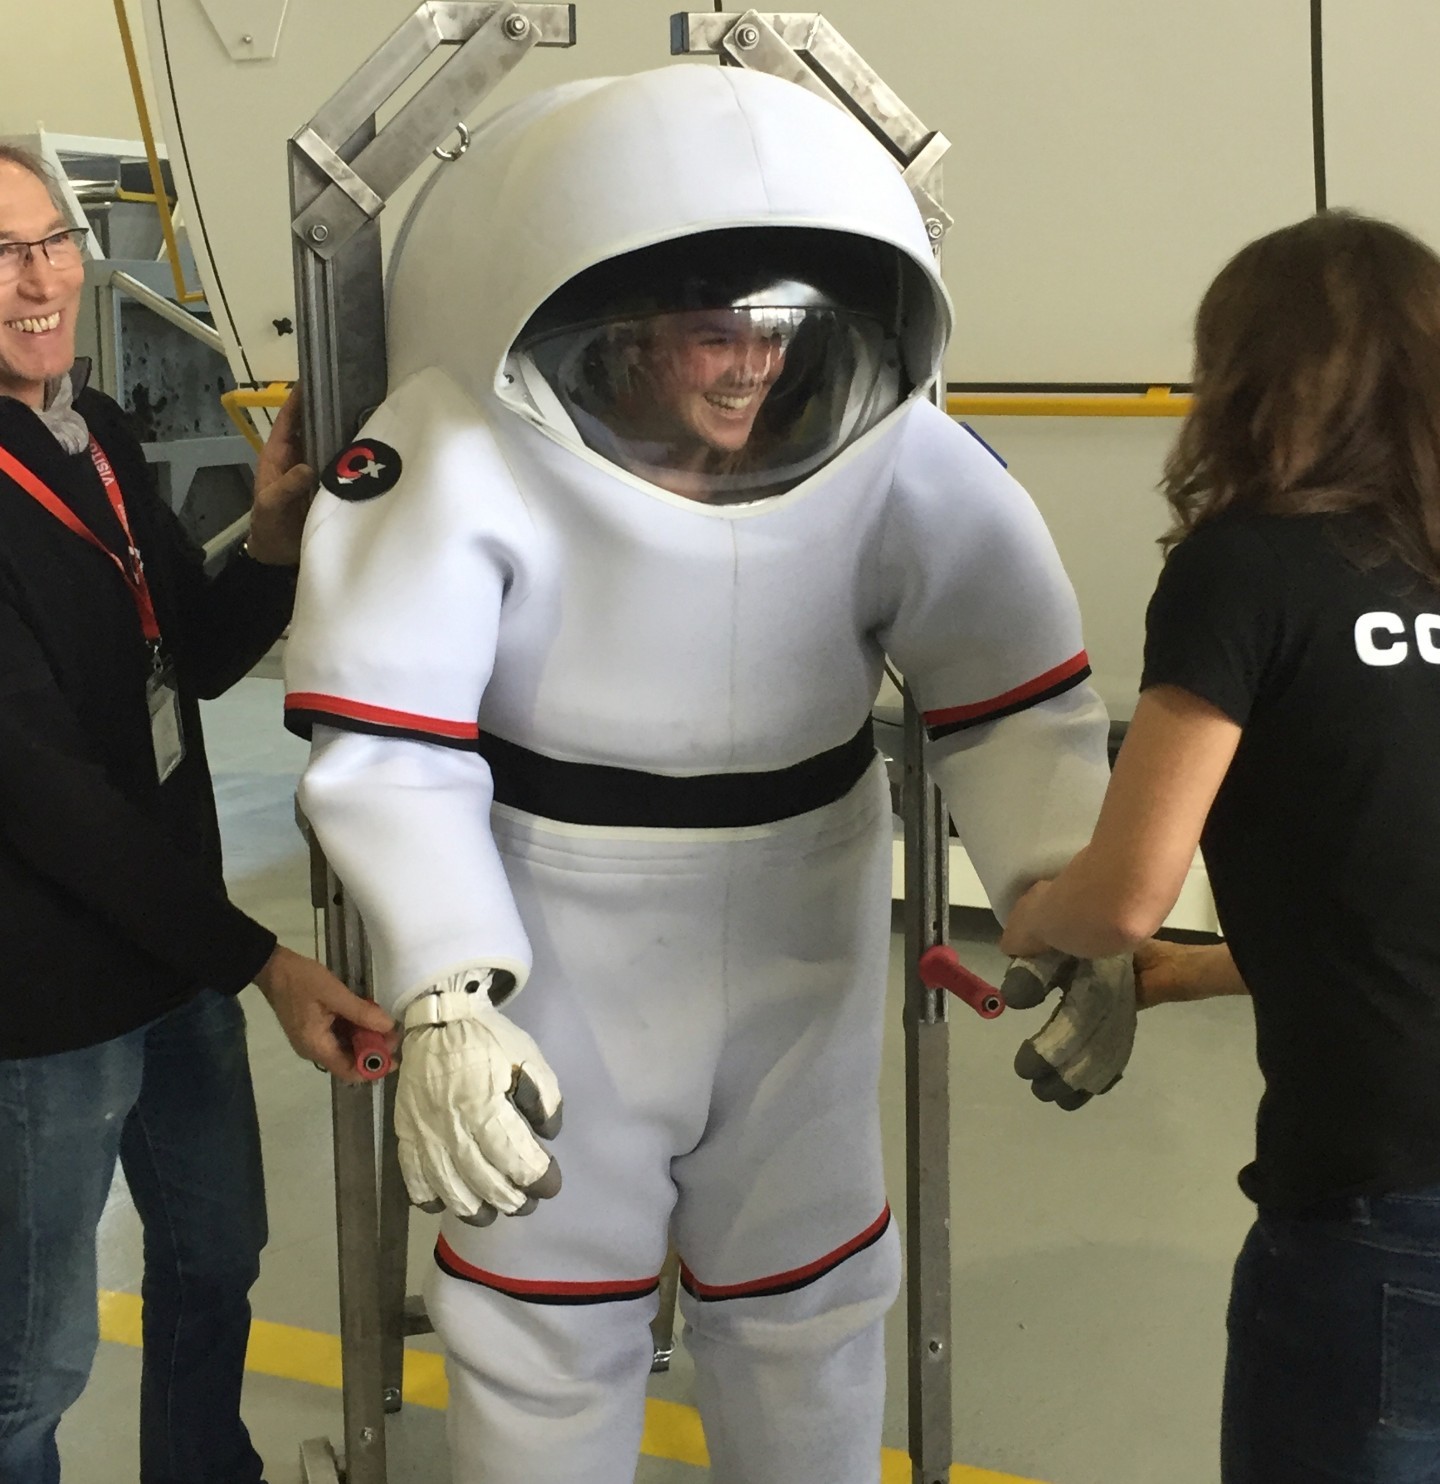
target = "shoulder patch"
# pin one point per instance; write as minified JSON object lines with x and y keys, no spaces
{"x":983,"y":444}
{"x":366,"y":469}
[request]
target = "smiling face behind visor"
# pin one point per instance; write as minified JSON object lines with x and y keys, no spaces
{"x":725,"y":367}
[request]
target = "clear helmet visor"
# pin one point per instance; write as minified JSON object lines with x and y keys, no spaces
{"x":733,"y":403}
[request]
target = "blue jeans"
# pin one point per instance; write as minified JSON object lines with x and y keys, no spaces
{"x":173,"y":1102}
{"x":1333,"y":1370}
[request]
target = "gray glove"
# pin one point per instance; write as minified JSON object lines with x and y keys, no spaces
{"x":1084,"y":1046}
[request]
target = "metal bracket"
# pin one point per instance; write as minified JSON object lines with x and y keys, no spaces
{"x":350,"y":185}
{"x":343,"y":170}
{"x":807,"y":49}
{"x":319,"y":153}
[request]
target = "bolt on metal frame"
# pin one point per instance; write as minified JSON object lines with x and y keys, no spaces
{"x":342,"y":172}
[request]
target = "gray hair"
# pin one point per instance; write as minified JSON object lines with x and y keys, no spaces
{"x":27,"y":159}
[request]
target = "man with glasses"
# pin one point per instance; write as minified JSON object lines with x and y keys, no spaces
{"x":120,"y":1032}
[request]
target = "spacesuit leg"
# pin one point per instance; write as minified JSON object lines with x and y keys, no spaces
{"x":540,"y":1391}
{"x":792,"y":1386}
{"x":546,"y":1317}
{"x":791,"y":1256}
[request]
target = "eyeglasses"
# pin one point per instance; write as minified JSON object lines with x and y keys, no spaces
{"x":60,"y":249}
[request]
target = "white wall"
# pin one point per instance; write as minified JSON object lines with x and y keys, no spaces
{"x":1382,"y":110}
{"x":63,"y":67}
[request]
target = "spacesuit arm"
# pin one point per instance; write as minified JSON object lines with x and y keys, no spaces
{"x":1025,"y":790}
{"x":403,"y":823}
{"x":413,"y":546}
{"x":987,"y":632}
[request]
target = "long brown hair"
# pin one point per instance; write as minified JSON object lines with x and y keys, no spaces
{"x":1317,"y":387}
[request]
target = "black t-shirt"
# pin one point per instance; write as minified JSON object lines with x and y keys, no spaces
{"x":112,"y":903}
{"x":1323,"y":844}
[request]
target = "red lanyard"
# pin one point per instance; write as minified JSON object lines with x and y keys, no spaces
{"x":131,"y":571}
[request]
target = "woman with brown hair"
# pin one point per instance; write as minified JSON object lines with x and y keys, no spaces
{"x":1289,"y":724}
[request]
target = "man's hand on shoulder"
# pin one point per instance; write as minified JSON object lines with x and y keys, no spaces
{"x":284,"y":488}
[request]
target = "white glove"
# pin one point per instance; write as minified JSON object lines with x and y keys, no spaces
{"x":1084,"y":1046}
{"x":473,"y":1093}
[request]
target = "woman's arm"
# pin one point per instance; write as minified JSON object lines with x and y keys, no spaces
{"x":1118,"y":890}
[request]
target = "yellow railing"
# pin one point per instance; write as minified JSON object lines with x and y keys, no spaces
{"x":1158,"y":401}
{"x":1155,"y":401}
{"x":157,"y":181}
{"x":236,"y":402}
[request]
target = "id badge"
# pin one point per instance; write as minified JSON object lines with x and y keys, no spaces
{"x":163,"y":697}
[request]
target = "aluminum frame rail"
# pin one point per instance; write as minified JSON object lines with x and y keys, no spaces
{"x":343,"y":170}
{"x":806,"y":49}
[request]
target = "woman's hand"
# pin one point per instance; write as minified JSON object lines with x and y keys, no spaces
{"x":1021,"y":938}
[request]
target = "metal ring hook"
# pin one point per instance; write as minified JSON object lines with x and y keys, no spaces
{"x":451,"y":155}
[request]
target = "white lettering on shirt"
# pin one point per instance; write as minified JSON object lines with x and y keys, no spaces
{"x":1368,"y":628}
{"x":1380,"y":638}
{"x":1427,"y":637}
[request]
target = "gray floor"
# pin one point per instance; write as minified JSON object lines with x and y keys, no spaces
{"x":1091,"y":1250}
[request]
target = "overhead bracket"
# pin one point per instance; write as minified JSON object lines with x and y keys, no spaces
{"x":344,"y":168}
{"x":806,"y":49}
{"x":351,"y":179}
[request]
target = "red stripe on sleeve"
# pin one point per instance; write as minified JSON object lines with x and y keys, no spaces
{"x":1034,"y":687}
{"x":381,"y":715}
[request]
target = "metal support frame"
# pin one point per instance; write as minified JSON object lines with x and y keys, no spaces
{"x":806,"y":49}
{"x":342,"y":171}
{"x":927,"y":1117}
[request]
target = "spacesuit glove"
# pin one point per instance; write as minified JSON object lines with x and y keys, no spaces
{"x":1084,"y":1046}
{"x":473,"y":1094}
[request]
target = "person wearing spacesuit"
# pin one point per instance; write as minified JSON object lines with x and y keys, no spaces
{"x":699,"y":378}
{"x":592,"y":615}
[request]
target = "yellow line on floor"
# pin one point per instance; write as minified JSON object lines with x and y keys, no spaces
{"x":284,"y":1351}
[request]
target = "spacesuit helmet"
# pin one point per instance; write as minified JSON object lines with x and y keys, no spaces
{"x":726,"y":366}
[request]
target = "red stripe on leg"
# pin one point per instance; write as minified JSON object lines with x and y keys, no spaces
{"x":792,"y":1278}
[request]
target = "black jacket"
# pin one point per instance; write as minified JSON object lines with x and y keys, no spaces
{"x":112,"y":903}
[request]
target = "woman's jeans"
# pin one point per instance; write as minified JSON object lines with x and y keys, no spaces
{"x":173,"y":1101}
{"x":1334,"y":1363}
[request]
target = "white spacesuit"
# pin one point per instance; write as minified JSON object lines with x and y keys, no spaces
{"x":591,"y":618}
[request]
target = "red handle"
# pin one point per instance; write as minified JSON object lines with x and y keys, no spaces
{"x":373,"y":1058}
{"x":940,"y":969}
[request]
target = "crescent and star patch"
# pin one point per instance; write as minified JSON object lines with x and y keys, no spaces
{"x":366,"y":469}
